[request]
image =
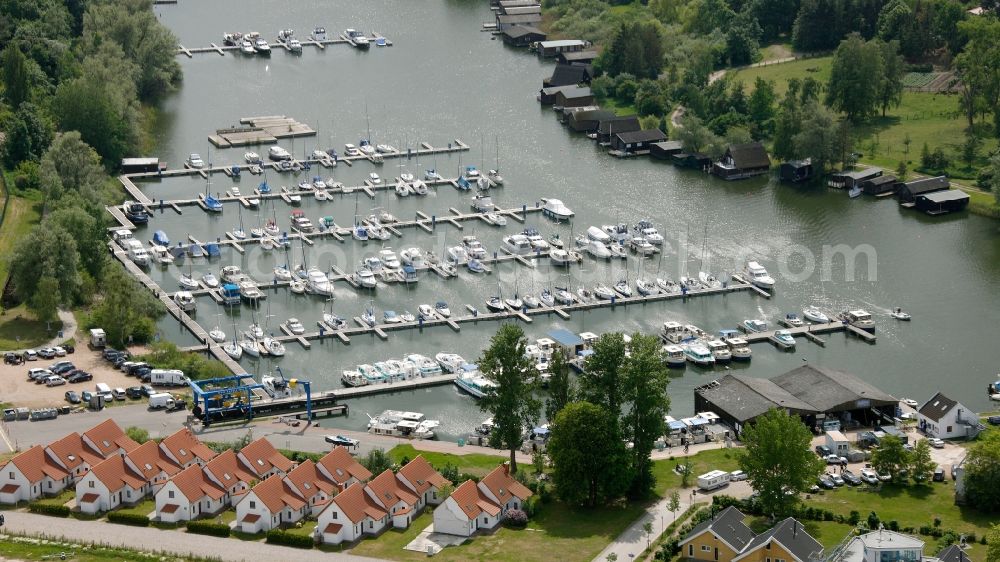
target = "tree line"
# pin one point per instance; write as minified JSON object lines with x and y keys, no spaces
{"x":75,"y":75}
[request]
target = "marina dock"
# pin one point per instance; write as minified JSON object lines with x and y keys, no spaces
{"x":321,"y":44}
{"x":265,"y":129}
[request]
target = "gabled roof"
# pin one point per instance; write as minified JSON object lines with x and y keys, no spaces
{"x":151,"y":461}
{"x":519,"y":18}
{"x":925,"y":185}
{"x":72,"y":451}
{"x":115,"y":473}
{"x":937,"y":407}
{"x":421,"y":475}
{"x":472,"y":501}
{"x":195,"y":484}
{"x":108,"y":437}
{"x":644,"y":135}
{"x":228,"y":469}
{"x":621,"y":124}
{"x":356,"y":504}
{"x":389,"y":491}
{"x":503,"y":485}
{"x":308,"y":479}
{"x":574,"y":92}
{"x":261,"y":457}
{"x":517,"y":31}
{"x":745,"y":397}
{"x":342,"y":466}
{"x":791,"y":535}
{"x":276,"y":493}
{"x":728,"y":526}
{"x":751,"y":155}
{"x":597,"y":115}
{"x":566,"y":75}
{"x":883,"y":179}
{"x":944,"y":195}
{"x":584,"y":56}
{"x":826,"y":389}
{"x":185,"y":447}
{"x":953,"y":553}
{"x":35,"y":465}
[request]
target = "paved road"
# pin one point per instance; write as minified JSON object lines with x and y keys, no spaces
{"x":151,"y":539}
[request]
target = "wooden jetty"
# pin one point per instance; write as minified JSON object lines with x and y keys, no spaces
{"x":401,"y":386}
{"x":321,"y":44}
{"x":810,"y":331}
{"x":266,"y":129}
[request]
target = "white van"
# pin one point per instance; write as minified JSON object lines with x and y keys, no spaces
{"x":167,"y":377}
{"x":104,"y":390}
{"x":712,"y":480}
{"x":161,"y":400}
{"x":119,"y":393}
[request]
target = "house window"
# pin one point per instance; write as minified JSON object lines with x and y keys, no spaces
{"x":170,"y":494}
{"x":12,"y":475}
{"x":90,"y":484}
{"x":706,"y":548}
{"x":371,"y":524}
{"x":768,"y":546}
{"x":948,"y":430}
{"x":50,"y":484}
{"x":253,"y":504}
{"x":128,"y":494}
{"x":484,"y":520}
{"x":690,"y":550}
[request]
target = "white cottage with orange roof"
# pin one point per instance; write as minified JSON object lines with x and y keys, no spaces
{"x":110,"y":483}
{"x":185,"y":449}
{"x":188,"y":495}
{"x":30,"y":475}
{"x":262,"y":459}
{"x":467,"y":510}
{"x":107,"y":438}
{"x":351,"y":514}
{"x":339,"y":466}
{"x":268,"y":505}
{"x":228,"y":472}
{"x":420,"y":477}
{"x":398,"y":501}
{"x":313,"y":486}
{"x":74,"y":455}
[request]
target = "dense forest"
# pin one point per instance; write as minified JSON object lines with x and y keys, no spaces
{"x":660,"y":55}
{"x":81,"y":79}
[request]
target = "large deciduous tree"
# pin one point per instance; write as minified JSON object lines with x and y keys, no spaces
{"x":561,"y":388}
{"x":15,"y":76}
{"x":890,"y":88}
{"x":982,"y":474}
{"x":47,"y":250}
{"x":891,"y":457}
{"x":28,"y":134}
{"x":817,"y":137}
{"x":511,"y":401}
{"x":855,"y":77}
{"x":921,"y":464}
{"x":644,"y":382}
{"x":587,"y":455}
{"x":778,"y":461}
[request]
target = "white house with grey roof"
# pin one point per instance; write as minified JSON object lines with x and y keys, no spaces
{"x":945,"y":418}
{"x":880,"y":545}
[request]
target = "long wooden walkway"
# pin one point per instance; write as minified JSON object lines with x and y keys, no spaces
{"x":309,"y":41}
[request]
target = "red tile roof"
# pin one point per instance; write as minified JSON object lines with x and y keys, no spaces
{"x":472,"y":501}
{"x":275,"y":493}
{"x":185,"y":447}
{"x":250,"y":518}
{"x":151,"y":461}
{"x":390,"y":491}
{"x":261,"y":457}
{"x":115,"y":473}
{"x":195,"y":485}
{"x":72,"y":451}
{"x":108,"y":437}
{"x":170,"y":508}
{"x":421,"y":475}
{"x":9,"y":489}
{"x":35,"y":465}
{"x":89,"y":498}
{"x":333,"y":528}
{"x":503,"y":485}
{"x":342,"y":466}
{"x":356,"y":504}
{"x":228,"y":469}
{"x":308,"y":479}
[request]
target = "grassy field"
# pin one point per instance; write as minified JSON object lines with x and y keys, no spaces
{"x":20,"y":329}
{"x":475,"y":464}
{"x":59,"y":499}
{"x":779,"y":73}
{"x":716,"y":459}
{"x":143,"y":508}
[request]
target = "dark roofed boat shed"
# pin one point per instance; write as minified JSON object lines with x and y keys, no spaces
{"x":572,"y":96}
{"x":909,"y":191}
{"x":882,"y":185}
{"x":577,"y":57}
{"x":503,"y":22}
{"x":853,"y":178}
{"x":742,"y":161}
{"x":665,"y":150}
{"x":588,"y":121}
{"x":622,"y":124}
{"x":568,"y":75}
{"x":942,"y":202}
{"x":796,"y":171}
{"x":522,"y":35}
{"x":547,"y":96}
{"x":636,"y":141}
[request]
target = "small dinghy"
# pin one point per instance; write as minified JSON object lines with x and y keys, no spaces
{"x":900,"y":314}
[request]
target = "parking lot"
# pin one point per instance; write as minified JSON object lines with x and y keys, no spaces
{"x":16,"y":389}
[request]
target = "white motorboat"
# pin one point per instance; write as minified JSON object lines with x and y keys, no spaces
{"x":642,"y":246}
{"x":595,"y":233}
{"x":738,"y":347}
{"x":184,"y":301}
{"x":752,"y":325}
{"x":297,"y":286}
{"x":814,"y":314}
{"x":254,"y":331}
{"x":495,"y":219}
{"x":673,"y":332}
{"x":441,"y":308}
{"x":295,"y":326}
{"x":432,"y":175}
{"x":900,"y":314}
{"x":217,"y":335}
{"x":783,"y":339}
{"x":674,"y":356}
{"x":318,"y":283}
{"x":356,"y":38}
{"x":495,"y":177}
{"x":538,"y":243}
{"x":756,"y":274}
{"x":360,"y":232}
{"x":418,"y":187}
{"x":425,"y":365}
{"x":792,"y":320}
{"x":617,"y":250}
{"x":366,"y":148}
{"x":709,"y":280}
{"x":402,"y":424}
{"x":319,"y":34}
{"x":334,"y":321}
{"x":584,"y":294}
{"x":365,"y":278}
{"x":250,"y":347}
{"x":161,"y":254}
{"x":667,"y":285}
{"x":531,"y":301}
{"x":556,"y":209}
{"x":387,"y":149}
{"x":137,"y":253}
{"x":598,"y":250}
{"x":860,"y":319}
{"x":645,"y":229}
{"x":645,"y":287}
{"x":426,"y":312}
{"x":210,"y":281}
{"x":450,"y":362}
{"x":246,"y":47}
{"x":252,"y":158}
{"x":622,"y":288}
{"x":232,"y":274}
{"x":405,"y":176}
{"x":389,"y":259}
{"x":517,"y":244}
{"x":322,"y":195}
{"x":473,"y":247}
{"x":281,"y":273}
{"x":351,"y":150}
{"x":294,"y":45}
{"x":374,"y":179}
{"x":483,"y":203}
{"x":353,"y":378}
{"x":187,"y":282}
{"x":412,"y":257}
{"x":278,"y":154}
{"x":474,"y":382}
{"x":273,"y":347}
{"x":560,"y":257}
{"x":719,"y":350}
{"x":617,"y":232}
{"x":390,"y":317}
{"x":457,"y":254}
{"x":262,"y":47}
{"x":697,"y":353}
{"x":547,"y":298}
{"x":407,"y":317}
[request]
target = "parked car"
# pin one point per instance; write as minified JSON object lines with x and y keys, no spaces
{"x":939,"y":474}
{"x":72,"y":397}
{"x":36,"y":373}
{"x":993,"y":420}
{"x":86,"y":396}
{"x":60,"y":351}
{"x":80,"y":376}
{"x":47,"y":353}
{"x":70,"y":349}
{"x":825,"y":482}
{"x":837,"y":480}
{"x":125,"y":365}
{"x":850,"y":478}
{"x":147,"y":390}
{"x":136,"y":367}
{"x":134,"y":392}
{"x":143,"y":373}
{"x":870,"y":476}
{"x":11,"y":358}
{"x":737,"y":476}
{"x":55,"y":380}
{"x":119,"y":360}
{"x":63,"y":368}
{"x":936,"y":443}
{"x":110,"y":352}
{"x":341,"y":440}
{"x":835,"y":459}
{"x":823,"y":451}
{"x":30,"y":355}
{"x":119,"y":393}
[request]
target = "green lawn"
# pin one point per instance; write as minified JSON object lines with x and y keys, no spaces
{"x":306,"y":530}
{"x":144,"y":508}
{"x":20,"y":329}
{"x":22,"y":214}
{"x":715,"y":459}
{"x":474,"y":463}
{"x":828,"y":533}
{"x":59,"y":499}
{"x":779,"y":73}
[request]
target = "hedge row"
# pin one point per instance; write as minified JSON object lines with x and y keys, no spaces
{"x":208,"y":528}
{"x":284,"y":538}
{"x":134,"y":519}
{"x":49,"y":509}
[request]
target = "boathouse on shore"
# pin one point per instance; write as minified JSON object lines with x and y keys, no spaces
{"x":615,"y":125}
{"x":881,"y":185}
{"x":587,"y":121}
{"x":742,"y":161}
{"x":568,"y":75}
{"x":796,"y":171}
{"x":664,"y":150}
{"x":853,"y":178}
{"x":942,"y":202}
{"x":909,"y":191}
{"x":573,"y":96}
{"x":577,"y":57}
{"x":522,"y":35}
{"x":637,"y":141}
{"x":550,"y":49}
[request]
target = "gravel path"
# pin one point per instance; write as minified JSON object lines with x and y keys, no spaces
{"x":156,"y":540}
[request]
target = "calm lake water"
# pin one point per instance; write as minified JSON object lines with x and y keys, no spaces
{"x":444,"y":79}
